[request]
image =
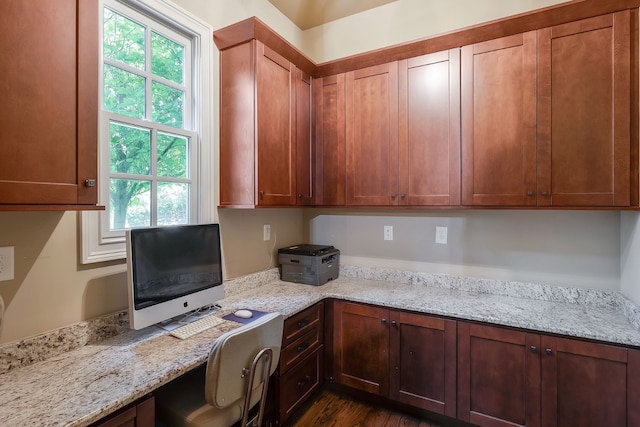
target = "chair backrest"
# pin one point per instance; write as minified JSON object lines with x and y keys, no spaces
{"x":234,"y":351}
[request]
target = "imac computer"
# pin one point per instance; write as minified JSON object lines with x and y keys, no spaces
{"x":171,"y":271}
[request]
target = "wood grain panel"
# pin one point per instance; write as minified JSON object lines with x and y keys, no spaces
{"x":238,"y":132}
{"x":372,"y":136}
{"x":329,"y":101}
{"x":584,"y":113}
{"x":48,"y":117}
{"x":361,"y":340}
{"x":303,"y":139}
{"x":585,"y":384}
{"x":429,"y":124}
{"x":422,"y":362}
{"x":499,"y":122}
{"x":498,"y":376}
{"x":276,"y":166}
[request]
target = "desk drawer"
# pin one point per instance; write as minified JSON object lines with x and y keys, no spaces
{"x":302,"y":322}
{"x":299,"y":349}
{"x":299,"y":383}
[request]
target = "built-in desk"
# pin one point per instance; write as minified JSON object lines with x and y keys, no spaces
{"x":81,"y":386}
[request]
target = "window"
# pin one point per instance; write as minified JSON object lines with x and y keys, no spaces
{"x":155,"y":141}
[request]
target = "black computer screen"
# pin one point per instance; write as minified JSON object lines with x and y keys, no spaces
{"x":170,"y":262}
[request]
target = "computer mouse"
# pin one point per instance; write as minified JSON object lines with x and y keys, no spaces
{"x":243,"y":314}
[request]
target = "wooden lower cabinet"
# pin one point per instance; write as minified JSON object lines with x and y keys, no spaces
{"x":407,"y":357}
{"x":301,"y":367}
{"x":139,"y":414}
{"x":498,"y":376}
{"x":361,"y":347}
{"x":422,"y":362}
{"x":586,"y":384}
{"x":510,"y":377}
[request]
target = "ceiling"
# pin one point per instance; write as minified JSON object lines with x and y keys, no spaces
{"x":311,"y":13}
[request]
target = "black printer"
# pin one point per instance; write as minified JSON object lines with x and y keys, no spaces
{"x":309,"y":264}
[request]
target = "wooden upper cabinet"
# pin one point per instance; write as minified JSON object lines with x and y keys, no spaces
{"x":276,"y":148}
{"x":329,"y":105}
{"x":584,"y":112}
{"x":547,"y":117}
{"x":303,"y":138}
{"x":49,"y":109}
{"x":429,"y":126}
{"x":258,"y":161}
{"x":499,"y":122}
{"x":372,"y":135}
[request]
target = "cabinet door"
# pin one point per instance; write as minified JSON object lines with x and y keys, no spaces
{"x":499,"y":122}
{"x":587,"y":384}
{"x":304,"y":147}
{"x":276,"y":151}
{"x":141,"y":414}
{"x":360,"y":347}
{"x":584,"y":104}
{"x":372,"y":135}
{"x":329,"y":98}
{"x":422,"y":358}
{"x":237,"y":125}
{"x":429,"y":121}
{"x":49,"y":109}
{"x":498,"y":376}
{"x":299,"y":383}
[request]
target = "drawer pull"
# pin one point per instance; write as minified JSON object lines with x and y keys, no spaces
{"x":304,"y":381}
{"x":302,"y":347}
{"x":303,"y":323}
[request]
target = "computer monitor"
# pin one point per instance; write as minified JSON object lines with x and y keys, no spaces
{"x":171,"y":271}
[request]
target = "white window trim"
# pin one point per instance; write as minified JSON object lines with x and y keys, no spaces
{"x":98,"y":247}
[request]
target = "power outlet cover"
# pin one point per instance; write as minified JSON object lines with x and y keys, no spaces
{"x":6,"y":263}
{"x":388,"y":232}
{"x":441,"y":235}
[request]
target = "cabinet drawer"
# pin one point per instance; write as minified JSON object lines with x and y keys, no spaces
{"x":302,"y":322}
{"x":299,"y":349}
{"x":299,"y":382}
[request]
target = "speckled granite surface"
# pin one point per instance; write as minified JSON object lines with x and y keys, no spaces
{"x":80,"y":386}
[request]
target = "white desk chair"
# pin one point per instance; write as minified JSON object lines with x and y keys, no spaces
{"x":239,"y":359}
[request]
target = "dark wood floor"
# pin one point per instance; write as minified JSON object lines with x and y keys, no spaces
{"x":329,"y":408}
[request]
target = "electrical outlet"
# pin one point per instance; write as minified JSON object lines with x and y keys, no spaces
{"x":388,"y":232}
{"x":266,"y":232}
{"x":6,"y":263}
{"x":441,"y":235}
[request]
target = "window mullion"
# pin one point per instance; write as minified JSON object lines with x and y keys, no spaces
{"x":154,"y":175}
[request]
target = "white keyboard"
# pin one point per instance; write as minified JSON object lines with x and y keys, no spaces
{"x":195,"y":327}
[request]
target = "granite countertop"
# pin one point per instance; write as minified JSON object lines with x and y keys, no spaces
{"x":78,"y":387}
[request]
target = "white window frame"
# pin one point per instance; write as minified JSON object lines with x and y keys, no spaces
{"x":98,"y":243}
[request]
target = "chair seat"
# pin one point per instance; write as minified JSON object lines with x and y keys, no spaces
{"x":213,"y":395}
{"x":181,"y":403}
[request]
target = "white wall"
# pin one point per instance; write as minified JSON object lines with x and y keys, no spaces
{"x":405,"y":20}
{"x":569,"y":248}
{"x":630,"y":255}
